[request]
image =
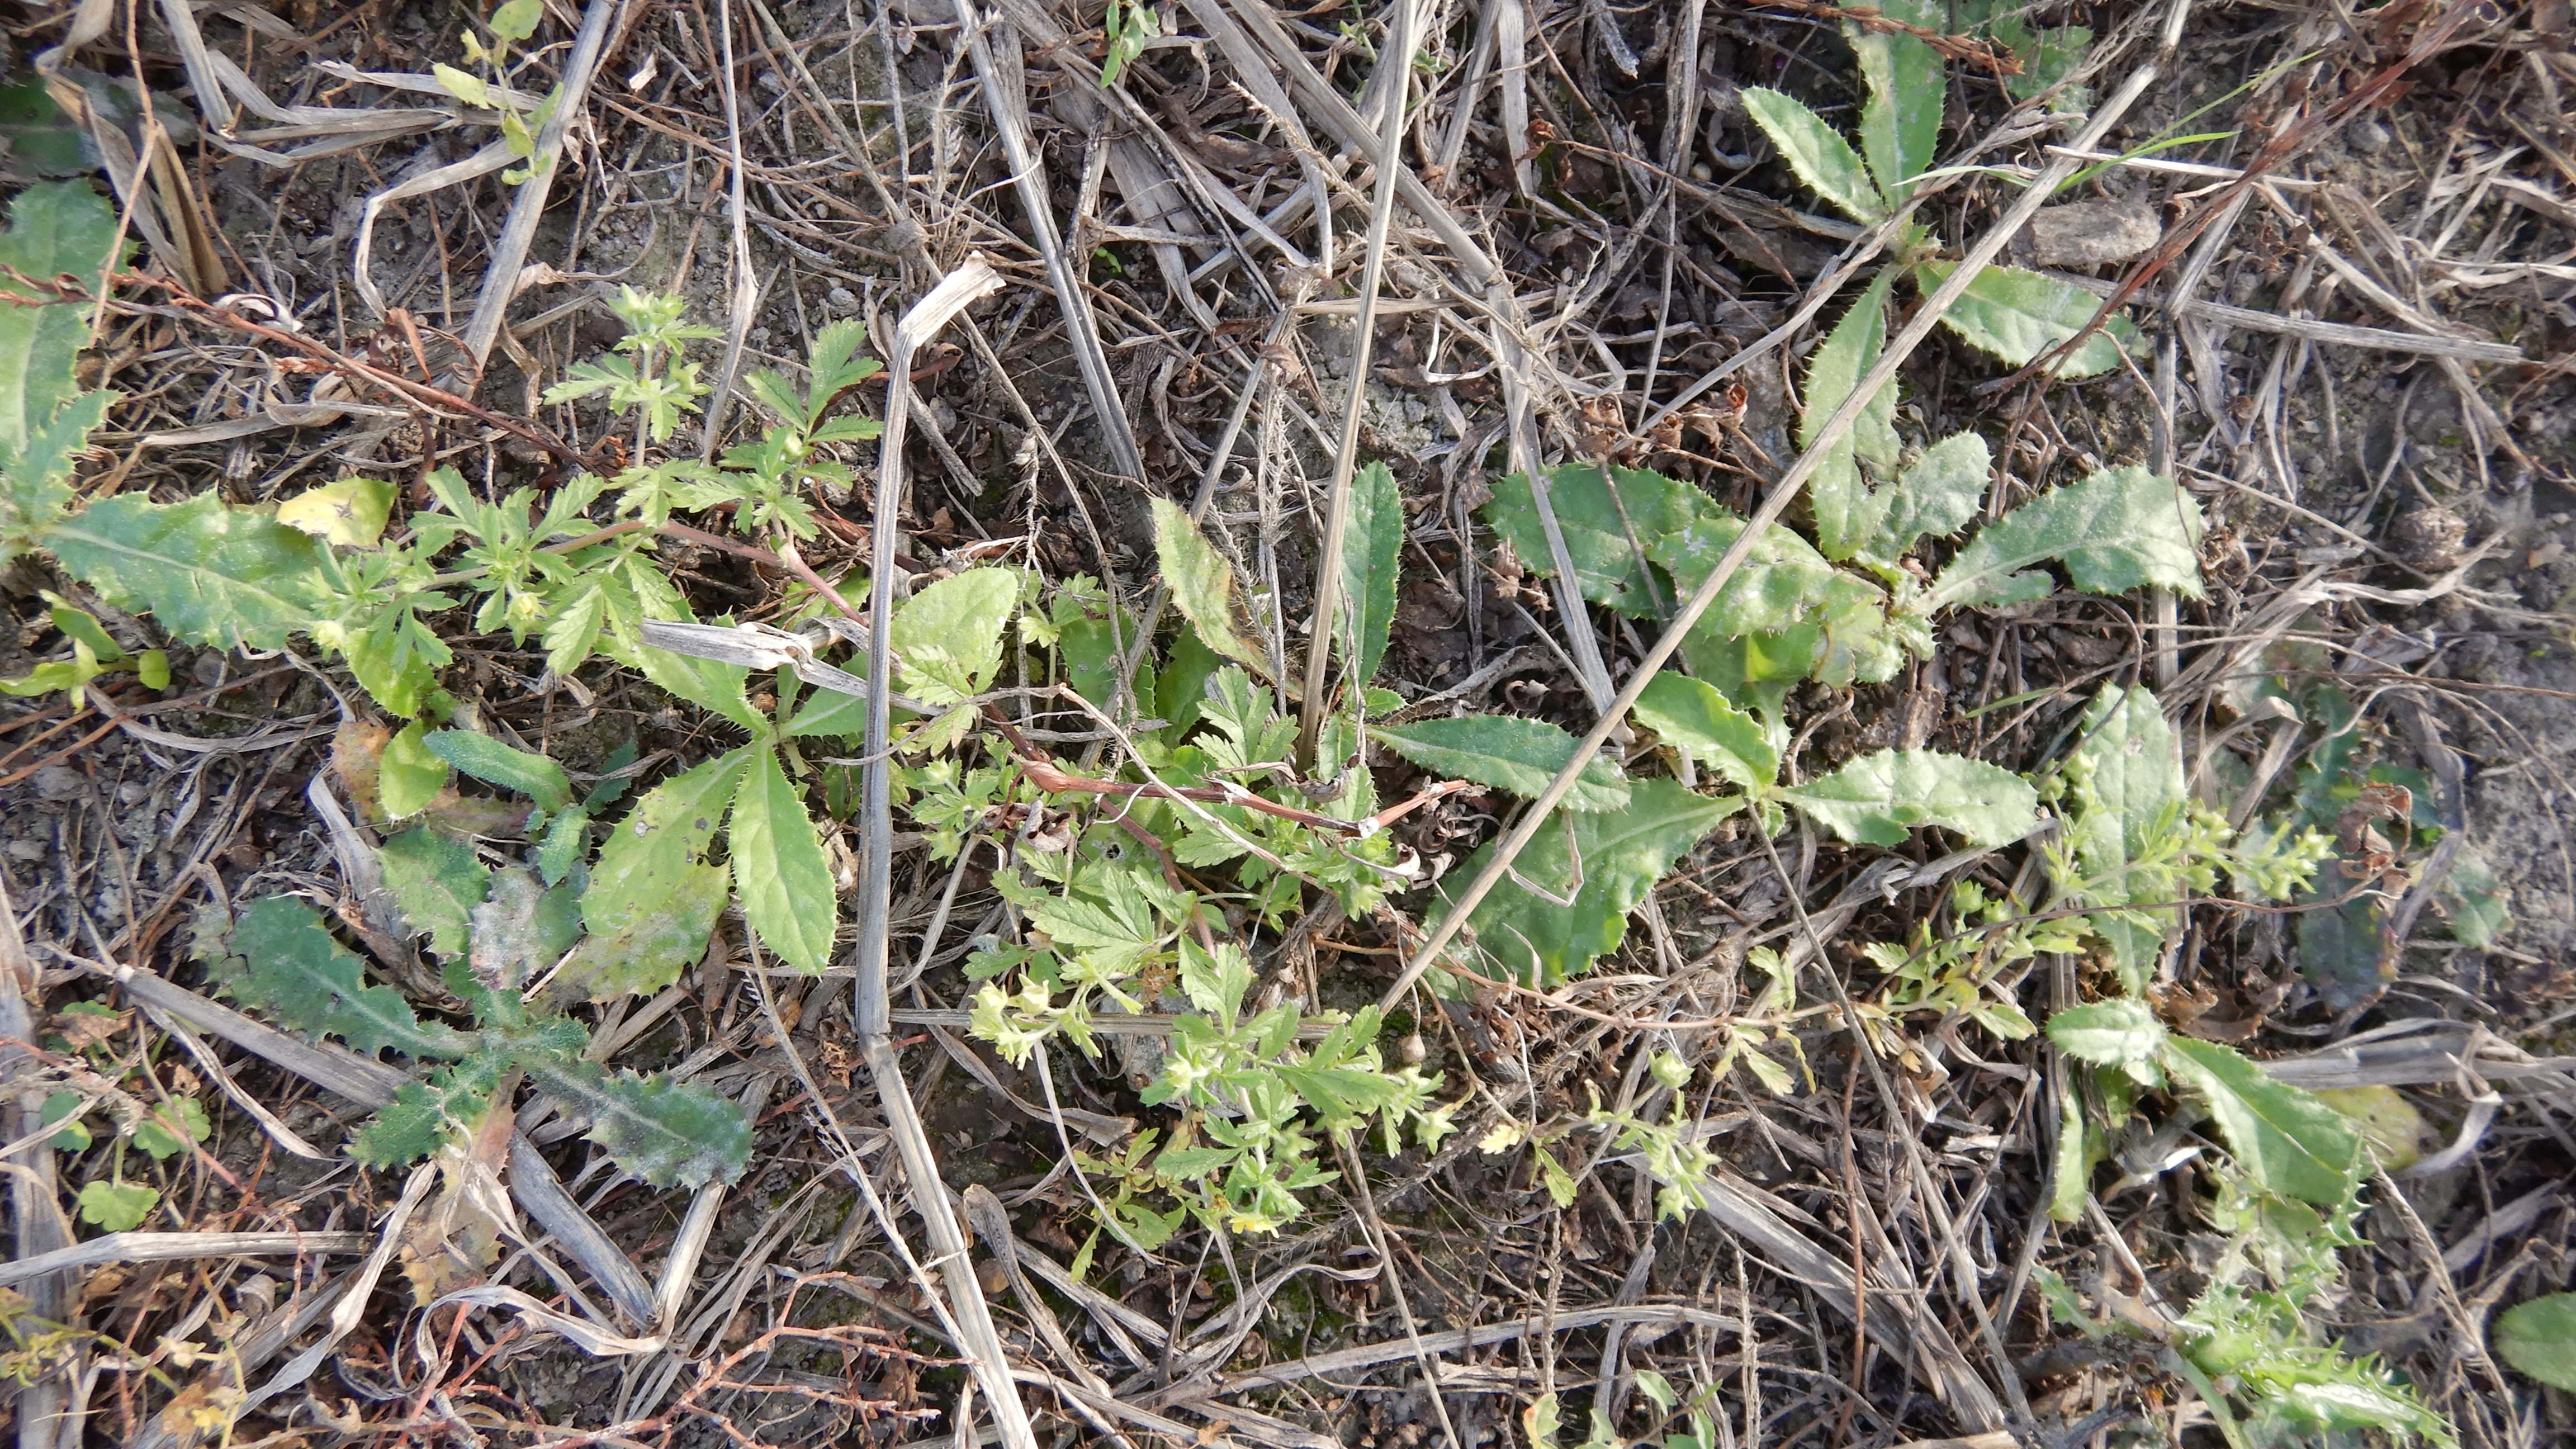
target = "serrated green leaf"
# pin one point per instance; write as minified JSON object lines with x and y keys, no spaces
{"x":572,"y":628}
{"x":2018,"y":315}
{"x":652,"y":899}
{"x":778,"y":866}
{"x":438,"y":883}
{"x":55,"y":227}
{"x":1878,"y":798}
{"x":521,"y":930}
{"x":2120,"y":529}
{"x":33,"y":478}
{"x":1694,"y":718}
{"x":1181,"y":686}
{"x":351,"y":512}
{"x":409,"y":777}
{"x":495,"y":763}
{"x":563,"y":845}
{"x":2539,"y":1338}
{"x":118,"y":1207}
{"x":1784,"y":582}
{"x":1817,"y":152}
{"x":1610,"y":518}
{"x":1604,"y":864}
{"x":288,"y":966}
{"x":1519,"y":755}
{"x":228,"y":577}
{"x":653,"y":1127}
{"x":2071,"y":1167}
{"x":2285,"y":1140}
{"x":1900,"y":122}
{"x":2108,"y":1033}
{"x":414,"y":1123}
{"x":951,"y":632}
{"x":1938,"y":496}
{"x":1201,"y":583}
{"x":2128,"y":772}
{"x":1371,"y":554}
{"x":1846,"y":510}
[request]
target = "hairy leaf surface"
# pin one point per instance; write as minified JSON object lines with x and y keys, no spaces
{"x":1202,"y":583}
{"x":1604,"y":864}
{"x":1876,"y":799}
{"x":288,"y":966}
{"x":1371,"y":553}
{"x":660,"y":1130}
{"x":2286,"y":1140}
{"x":437,"y":882}
{"x":2018,"y":315}
{"x":495,"y":763}
{"x":1519,"y":755}
{"x":2120,"y":529}
{"x":212,"y":575}
{"x":1817,"y":152}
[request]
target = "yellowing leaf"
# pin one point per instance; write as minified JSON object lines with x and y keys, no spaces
{"x":1202,"y":584}
{"x":351,"y":512}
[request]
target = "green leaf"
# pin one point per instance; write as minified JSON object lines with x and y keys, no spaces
{"x":778,"y":865}
{"x":1519,"y":755}
{"x":464,"y":86}
{"x":521,"y":930}
{"x":55,"y":227}
{"x":1181,"y":686}
{"x":1818,"y":153}
{"x":495,"y":763}
{"x":228,"y":577}
{"x":652,"y":899}
{"x":2018,"y":315}
{"x":1877,"y":798}
{"x":416,"y":1121}
{"x":119,"y":1207}
{"x":1694,"y":718}
{"x":2127,"y":772}
{"x":515,"y":20}
{"x":72,"y":1136}
{"x":2108,"y":1033}
{"x":2474,"y":899}
{"x":653,"y":1127}
{"x":2539,"y":1338}
{"x":951,"y":632}
{"x":286,"y":964}
{"x":1091,"y":650}
{"x":1603,"y":863}
{"x":409,"y":776}
{"x":2120,"y":529}
{"x":438,"y":883}
{"x":172,"y":1127}
{"x":562,"y":849}
{"x":351,"y":512}
{"x":2287,"y":1141}
{"x":2071,"y":1168}
{"x":572,"y":628}
{"x":1202,"y":583}
{"x":1371,"y":554}
{"x":1938,"y":496}
{"x":32,"y":486}
{"x":1900,"y":123}
{"x":1610,"y":518}
{"x":1846,"y":510}
{"x":1783,"y":583}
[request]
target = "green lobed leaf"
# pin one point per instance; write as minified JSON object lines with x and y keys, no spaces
{"x":1508,"y":753}
{"x":288,"y":966}
{"x":228,"y":577}
{"x":1201,"y":583}
{"x":118,"y":1207}
{"x":658,"y":1129}
{"x":1604,"y":863}
{"x":2288,"y":1142}
{"x":1610,"y":518}
{"x":55,"y":227}
{"x":2539,"y":1338}
{"x":1784,"y":582}
{"x":2120,"y":529}
{"x":33,"y":486}
{"x":2129,"y":767}
{"x":778,"y":865}
{"x":1817,"y":152}
{"x":1938,"y":496}
{"x":495,"y":763}
{"x":438,"y":883}
{"x":172,"y":1127}
{"x":1900,"y":122}
{"x":1876,"y":799}
{"x":1692,"y":716}
{"x":954,"y":628}
{"x":2108,"y":1033}
{"x":416,"y":1121}
{"x":1371,"y":553}
{"x":652,"y":899}
{"x":2017,"y":315}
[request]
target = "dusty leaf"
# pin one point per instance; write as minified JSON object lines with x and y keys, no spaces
{"x":229,"y":577}
{"x":2126,"y":772}
{"x":1876,"y":799}
{"x":1519,"y":755}
{"x":2119,"y":529}
{"x":2108,"y":1033}
{"x":1610,"y":519}
{"x":653,"y":899}
{"x":1900,"y":122}
{"x":438,"y":883}
{"x":1938,"y":496}
{"x":660,"y":1130}
{"x":286,"y":964}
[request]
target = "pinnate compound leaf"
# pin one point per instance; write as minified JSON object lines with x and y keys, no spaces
{"x":1609,"y":519}
{"x":1202,"y":583}
{"x":1876,"y":799}
{"x":2539,"y":1338}
{"x":2287,"y":1141}
{"x":951,"y":632}
{"x":2126,"y":773}
{"x":2120,"y":529}
{"x":228,"y":577}
{"x":1900,"y":123}
{"x":1519,"y":755}
{"x":653,"y":899}
{"x":2108,"y":1033}
{"x":284,"y":963}
{"x":55,"y":227}
{"x":660,"y":1130}
{"x":1371,"y":553}
{"x":1604,"y":864}
{"x":2018,"y":315}
{"x":438,"y":883}
{"x":1694,"y":718}
{"x":494,"y":763}
{"x":1817,"y":152}
{"x":778,"y":866}
{"x":1937,"y":497}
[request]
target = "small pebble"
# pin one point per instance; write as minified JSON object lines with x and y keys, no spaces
{"x":58,"y":782}
{"x":841,"y":299}
{"x":2368,"y":136}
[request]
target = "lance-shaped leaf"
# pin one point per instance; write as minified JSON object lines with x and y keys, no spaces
{"x":2120,"y":529}
{"x":1817,"y":152}
{"x":1877,"y":798}
{"x":2127,"y":774}
{"x":495,"y":763}
{"x":212,"y":575}
{"x":1202,"y":583}
{"x":2290,"y":1143}
{"x":778,"y":867}
{"x":1519,"y":755}
{"x":1694,"y":718}
{"x":1371,"y":553}
{"x":2108,"y":1033}
{"x":652,"y":898}
{"x":1610,"y":519}
{"x":2018,"y":315}
{"x":437,"y":882}
{"x":1846,"y":511}
{"x":1900,"y":122}
{"x":284,"y":963}
{"x":658,"y":1129}
{"x":1593,"y":870}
